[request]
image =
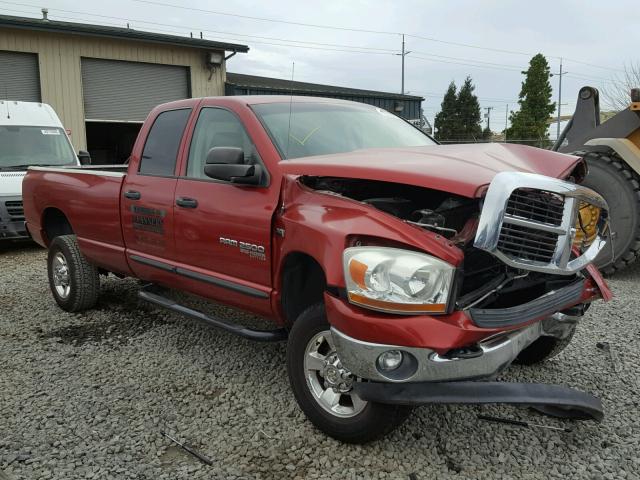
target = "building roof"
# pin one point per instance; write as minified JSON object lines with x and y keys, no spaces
{"x":116,"y":32}
{"x":279,"y":84}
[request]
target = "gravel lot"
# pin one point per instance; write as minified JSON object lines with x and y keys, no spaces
{"x":85,"y":396}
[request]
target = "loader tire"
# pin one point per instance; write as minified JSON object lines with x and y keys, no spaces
{"x":612,"y":178}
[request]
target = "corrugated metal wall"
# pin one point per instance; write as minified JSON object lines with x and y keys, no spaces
{"x":410,"y":108}
{"x":59,"y":58}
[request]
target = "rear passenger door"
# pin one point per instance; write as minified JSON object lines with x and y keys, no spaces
{"x":148,"y":199}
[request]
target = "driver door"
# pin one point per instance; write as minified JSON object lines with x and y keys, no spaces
{"x":223,"y":230}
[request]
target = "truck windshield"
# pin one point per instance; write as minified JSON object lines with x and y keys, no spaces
{"x":22,"y":146}
{"x":306,"y":129}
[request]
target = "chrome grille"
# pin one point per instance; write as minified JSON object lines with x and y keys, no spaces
{"x":545,"y":207}
{"x":527,"y":243}
{"x":528,"y":222}
{"x":15,"y":209}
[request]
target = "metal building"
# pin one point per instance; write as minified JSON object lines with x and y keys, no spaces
{"x":406,"y":106}
{"x":103,"y":81}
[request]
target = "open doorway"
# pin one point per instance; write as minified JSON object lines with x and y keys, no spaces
{"x":110,"y":143}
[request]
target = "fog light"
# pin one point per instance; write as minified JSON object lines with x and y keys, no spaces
{"x":390,"y":360}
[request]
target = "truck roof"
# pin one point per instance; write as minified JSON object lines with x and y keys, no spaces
{"x":254,"y":100}
{"x":28,"y":113}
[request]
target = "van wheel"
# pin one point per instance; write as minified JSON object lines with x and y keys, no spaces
{"x":322,"y":386}
{"x":74,"y":282}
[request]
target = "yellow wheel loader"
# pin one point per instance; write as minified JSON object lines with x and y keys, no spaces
{"x":612,"y":152}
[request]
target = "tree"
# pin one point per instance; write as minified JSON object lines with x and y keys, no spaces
{"x":617,"y":93}
{"x":468,"y":108}
{"x":530,"y":122}
{"x":487,"y":134}
{"x":446,"y":120}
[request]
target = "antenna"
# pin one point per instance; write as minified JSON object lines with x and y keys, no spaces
{"x":293,"y":69}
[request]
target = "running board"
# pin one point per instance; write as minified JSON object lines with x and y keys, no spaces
{"x":250,"y":333}
{"x":552,"y":400}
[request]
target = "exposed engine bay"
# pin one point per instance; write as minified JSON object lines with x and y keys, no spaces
{"x":486,"y":281}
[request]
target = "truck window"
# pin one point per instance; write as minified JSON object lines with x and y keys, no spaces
{"x":217,"y":127}
{"x":161,"y":148}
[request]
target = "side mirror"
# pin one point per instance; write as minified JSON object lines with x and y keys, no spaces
{"x":84,"y":157}
{"x":227,"y":164}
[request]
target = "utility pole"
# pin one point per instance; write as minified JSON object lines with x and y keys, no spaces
{"x":403,"y":54}
{"x":488,"y":117}
{"x":560,"y":73}
{"x":506,"y":123}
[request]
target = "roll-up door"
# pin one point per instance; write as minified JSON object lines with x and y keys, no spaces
{"x":19,"y":76}
{"x":120,"y":91}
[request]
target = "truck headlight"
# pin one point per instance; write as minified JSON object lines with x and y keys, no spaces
{"x":397,"y":281}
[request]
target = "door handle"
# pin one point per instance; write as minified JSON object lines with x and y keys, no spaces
{"x":132,"y":195}
{"x":186,"y":202}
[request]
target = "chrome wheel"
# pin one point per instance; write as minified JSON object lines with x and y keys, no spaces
{"x":329,"y":382}
{"x":61,"y":275}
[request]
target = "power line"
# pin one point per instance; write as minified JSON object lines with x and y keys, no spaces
{"x":191,"y":28}
{"x":352,"y":29}
{"x":262,"y":19}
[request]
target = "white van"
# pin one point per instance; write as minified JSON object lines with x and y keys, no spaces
{"x":30,"y":134}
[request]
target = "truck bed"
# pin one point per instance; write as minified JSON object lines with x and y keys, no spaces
{"x":89,"y":197}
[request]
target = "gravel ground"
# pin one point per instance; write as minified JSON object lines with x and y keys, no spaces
{"x":85,"y":396}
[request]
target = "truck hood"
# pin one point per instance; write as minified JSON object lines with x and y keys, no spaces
{"x":11,"y":183}
{"x":460,"y":169}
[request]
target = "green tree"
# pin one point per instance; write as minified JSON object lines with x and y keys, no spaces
{"x":468,"y":109}
{"x":446,"y":121}
{"x":487,"y":134}
{"x":530,"y":122}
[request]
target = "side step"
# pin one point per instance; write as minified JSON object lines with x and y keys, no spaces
{"x":554,"y":400}
{"x":258,"y":335}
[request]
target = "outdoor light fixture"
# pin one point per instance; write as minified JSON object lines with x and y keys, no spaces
{"x":214,"y":59}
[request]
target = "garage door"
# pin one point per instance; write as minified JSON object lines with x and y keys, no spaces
{"x":127,"y":91}
{"x":19,"y":76}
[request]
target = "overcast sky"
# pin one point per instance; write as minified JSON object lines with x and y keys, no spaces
{"x":603,"y":34}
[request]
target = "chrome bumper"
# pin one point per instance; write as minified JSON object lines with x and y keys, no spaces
{"x":491,"y":356}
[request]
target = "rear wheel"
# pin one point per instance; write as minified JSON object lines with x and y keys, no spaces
{"x":74,"y":282}
{"x":323,"y":387}
{"x":612,"y":178}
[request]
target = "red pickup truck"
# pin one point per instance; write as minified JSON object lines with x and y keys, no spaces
{"x":400,"y":272}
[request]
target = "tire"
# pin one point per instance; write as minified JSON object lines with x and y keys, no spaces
{"x":74,"y":282}
{"x":359,"y":422}
{"x":543,"y":349}
{"x":612,"y":178}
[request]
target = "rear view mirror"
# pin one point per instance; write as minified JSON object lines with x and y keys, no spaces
{"x":227,"y":164}
{"x":84,"y":157}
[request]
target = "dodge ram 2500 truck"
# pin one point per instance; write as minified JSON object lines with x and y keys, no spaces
{"x":400,"y":272}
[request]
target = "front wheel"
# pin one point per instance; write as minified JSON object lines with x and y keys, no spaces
{"x":323,"y":387}
{"x":74,"y":282}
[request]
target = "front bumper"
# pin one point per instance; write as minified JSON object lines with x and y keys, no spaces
{"x":486,"y":359}
{"x":12,"y":225}
{"x":554,"y":400}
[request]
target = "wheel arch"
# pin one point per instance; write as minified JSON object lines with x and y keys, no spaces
{"x":54,"y":224}
{"x":302,"y":283}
